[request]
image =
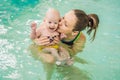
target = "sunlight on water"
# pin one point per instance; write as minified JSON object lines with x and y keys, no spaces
{"x":98,"y":61}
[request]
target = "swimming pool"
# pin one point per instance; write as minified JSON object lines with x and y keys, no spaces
{"x":102,"y":55}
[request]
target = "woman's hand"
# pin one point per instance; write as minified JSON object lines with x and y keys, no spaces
{"x":56,"y":40}
{"x":42,"y":41}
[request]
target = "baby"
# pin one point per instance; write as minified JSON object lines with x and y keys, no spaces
{"x":48,"y":28}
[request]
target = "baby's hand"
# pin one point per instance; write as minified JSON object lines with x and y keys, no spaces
{"x":33,"y":26}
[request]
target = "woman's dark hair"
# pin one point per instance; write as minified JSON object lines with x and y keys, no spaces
{"x":84,"y":21}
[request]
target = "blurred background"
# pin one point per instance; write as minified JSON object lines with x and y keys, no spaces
{"x":102,"y":55}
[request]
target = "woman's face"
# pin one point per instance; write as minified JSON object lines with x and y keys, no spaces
{"x":67,"y":23}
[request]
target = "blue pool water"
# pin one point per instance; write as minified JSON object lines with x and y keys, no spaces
{"x":102,"y":55}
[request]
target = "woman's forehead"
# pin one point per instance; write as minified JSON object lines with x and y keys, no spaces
{"x":70,"y":18}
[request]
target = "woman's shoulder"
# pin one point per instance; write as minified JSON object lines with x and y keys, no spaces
{"x":82,"y":36}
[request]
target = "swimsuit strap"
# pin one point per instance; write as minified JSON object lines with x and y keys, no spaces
{"x":72,"y":41}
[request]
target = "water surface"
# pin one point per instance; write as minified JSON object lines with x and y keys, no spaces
{"x":102,"y":55}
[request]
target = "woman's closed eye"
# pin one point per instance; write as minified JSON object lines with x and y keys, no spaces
{"x":64,"y":22}
{"x":66,"y":25}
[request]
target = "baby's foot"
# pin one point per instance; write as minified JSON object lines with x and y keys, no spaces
{"x":58,"y":63}
{"x":69,"y":61}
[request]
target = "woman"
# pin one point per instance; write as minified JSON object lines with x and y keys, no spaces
{"x":72,"y":24}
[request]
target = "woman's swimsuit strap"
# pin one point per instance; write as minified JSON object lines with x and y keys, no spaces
{"x":72,"y":41}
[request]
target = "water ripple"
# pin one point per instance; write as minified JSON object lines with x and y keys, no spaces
{"x":2,"y":29}
{"x":13,"y":75}
{"x":6,"y":58}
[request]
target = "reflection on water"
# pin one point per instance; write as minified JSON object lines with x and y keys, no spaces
{"x":71,"y":73}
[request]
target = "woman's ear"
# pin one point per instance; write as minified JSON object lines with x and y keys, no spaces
{"x":74,"y":33}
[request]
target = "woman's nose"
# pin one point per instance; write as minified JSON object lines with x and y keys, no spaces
{"x":60,"y":23}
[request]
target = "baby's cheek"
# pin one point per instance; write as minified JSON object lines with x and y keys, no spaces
{"x":47,"y":24}
{"x":56,"y":25}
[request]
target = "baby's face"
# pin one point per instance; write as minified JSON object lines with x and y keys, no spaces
{"x":52,"y":21}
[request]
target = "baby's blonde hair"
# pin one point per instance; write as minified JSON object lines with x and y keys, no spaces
{"x":53,"y":11}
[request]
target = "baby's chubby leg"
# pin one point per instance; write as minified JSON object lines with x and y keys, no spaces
{"x":53,"y":52}
{"x":65,"y":56}
{"x":64,"y":53}
{"x":46,"y":58}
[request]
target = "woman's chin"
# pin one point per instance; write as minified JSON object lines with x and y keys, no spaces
{"x":59,"y":30}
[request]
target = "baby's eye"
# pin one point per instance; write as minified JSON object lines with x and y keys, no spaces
{"x":56,"y":23}
{"x":50,"y":22}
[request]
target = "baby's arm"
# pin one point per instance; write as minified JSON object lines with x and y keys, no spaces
{"x":33,"y":30}
{"x":40,"y":30}
{"x":35,"y":33}
{"x":38,"y":37}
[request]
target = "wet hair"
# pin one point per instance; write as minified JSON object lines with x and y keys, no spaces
{"x":84,"y":21}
